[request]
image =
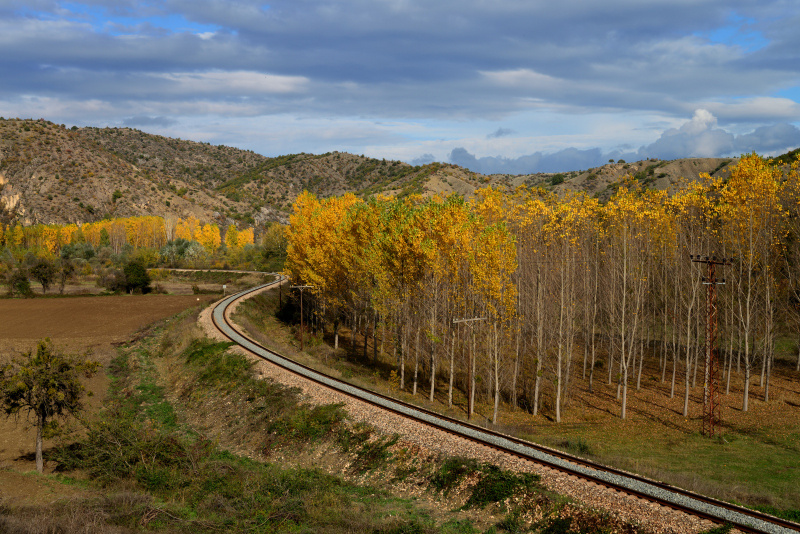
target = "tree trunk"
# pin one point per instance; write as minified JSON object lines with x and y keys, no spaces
{"x":641,"y":364}
{"x":496,"y":376}
{"x":39,"y":427}
{"x":452,"y":370}
{"x":433,"y":378}
{"x":746,"y":388}
{"x":797,"y":368}
{"x":516,"y":373}
{"x":769,"y":372}
{"x":353,"y":332}
{"x":416,"y":364}
{"x":674,"y":372}
{"x":336,"y":334}
{"x":374,"y":339}
{"x":403,"y":351}
{"x":472,"y":377}
{"x":729,"y":359}
{"x":624,"y":392}
{"x":688,"y":360}
{"x":688,"y":386}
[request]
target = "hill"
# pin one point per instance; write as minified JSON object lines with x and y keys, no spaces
{"x":50,"y":174}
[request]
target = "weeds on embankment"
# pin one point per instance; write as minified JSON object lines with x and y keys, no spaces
{"x":156,"y":472}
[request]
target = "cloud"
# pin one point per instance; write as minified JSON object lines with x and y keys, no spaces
{"x":769,"y":140}
{"x":423,"y":159}
{"x":232,"y":83}
{"x":697,"y":137}
{"x":700,"y":137}
{"x":402,"y":59}
{"x":500,"y":132}
{"x":535,"y":68}
{"x":144,"y":120}
{"x":563,"y":160}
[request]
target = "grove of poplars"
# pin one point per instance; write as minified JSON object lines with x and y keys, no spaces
{"x":510,"y":297}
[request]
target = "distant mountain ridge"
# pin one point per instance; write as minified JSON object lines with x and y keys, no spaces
{"x":53,"y":175}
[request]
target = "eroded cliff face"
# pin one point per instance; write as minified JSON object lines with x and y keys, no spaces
{"x":10,"y":200}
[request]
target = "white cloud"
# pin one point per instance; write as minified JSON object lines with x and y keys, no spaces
{"x":522,"y":78}
{"x":233,"y":83}
{"x":574,"y":74}
{"x":702,"y":121}
{"x":761,"y":108}
{"x":697,"y":137}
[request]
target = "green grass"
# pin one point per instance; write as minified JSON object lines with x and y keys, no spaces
{"x":177,"y":480}
{"x":757,"y":467}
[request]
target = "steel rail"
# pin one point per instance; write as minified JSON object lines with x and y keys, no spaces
{"x":742,"y":518}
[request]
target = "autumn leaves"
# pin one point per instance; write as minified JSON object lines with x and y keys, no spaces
{"x":138,"y":232}
{"x":561,"y":281}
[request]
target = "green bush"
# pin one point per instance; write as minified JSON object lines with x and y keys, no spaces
{"x":452,"y":471}
{"x":18,"y":283}
{"x":405,"y":527}
{"x":373,"y":454}
{"x":497,"y":485}
{"x":512,"y":522}
{"x":136,"y":278}
{"x":558,"y":526}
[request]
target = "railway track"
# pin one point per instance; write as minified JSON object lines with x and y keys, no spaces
{"x":743,"y":519}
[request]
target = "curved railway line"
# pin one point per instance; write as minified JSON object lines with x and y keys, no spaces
{"x":741,"y":518}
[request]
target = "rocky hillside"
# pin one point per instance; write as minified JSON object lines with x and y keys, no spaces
{"x":51,"y":174}
{"x":603,"y":181}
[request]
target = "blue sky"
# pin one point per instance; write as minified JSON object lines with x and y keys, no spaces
{"x":512,"y":86}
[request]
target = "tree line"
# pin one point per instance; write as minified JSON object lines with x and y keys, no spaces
{"x":137,"y":232}
{"x":107,"y":249}
{"x":511,"y":296}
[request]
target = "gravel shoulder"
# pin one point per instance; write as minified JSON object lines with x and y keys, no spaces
{"x":429,"y":441}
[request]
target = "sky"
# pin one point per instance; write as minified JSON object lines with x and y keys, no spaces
{"x":497,"y":86}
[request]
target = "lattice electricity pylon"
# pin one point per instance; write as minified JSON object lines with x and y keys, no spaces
{"x":712,"y":408}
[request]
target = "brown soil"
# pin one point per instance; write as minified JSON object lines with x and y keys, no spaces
{"x":77,"y":325}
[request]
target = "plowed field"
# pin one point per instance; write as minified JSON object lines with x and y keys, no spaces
{"x":74,"y":325}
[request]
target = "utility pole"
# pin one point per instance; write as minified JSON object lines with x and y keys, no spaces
{"x":302,"y":326}
{"x":471,"y":379}
{"x":712,"y":409}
